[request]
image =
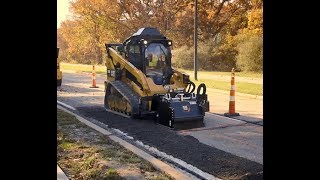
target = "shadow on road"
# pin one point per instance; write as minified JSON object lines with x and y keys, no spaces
{"x":246,"y":118}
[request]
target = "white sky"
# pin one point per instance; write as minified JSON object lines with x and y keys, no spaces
{"x":62,"y":11}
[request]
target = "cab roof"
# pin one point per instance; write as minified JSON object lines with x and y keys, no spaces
{"x":145,"y":33}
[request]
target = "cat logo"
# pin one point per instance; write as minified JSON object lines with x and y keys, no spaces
{"x":186,"y":108}
{"x":166,"y":87}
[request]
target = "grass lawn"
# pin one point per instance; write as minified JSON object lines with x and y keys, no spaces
{"x":209,"y":73}
{"x":243,"y":87}
{"x":99,"y":69}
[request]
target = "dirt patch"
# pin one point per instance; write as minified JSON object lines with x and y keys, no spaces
{"x":83,"y":153}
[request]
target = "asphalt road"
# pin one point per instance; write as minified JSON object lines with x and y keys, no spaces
{"x":226,"y":148}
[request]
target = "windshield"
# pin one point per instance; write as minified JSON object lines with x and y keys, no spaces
{"x":155,"y":56}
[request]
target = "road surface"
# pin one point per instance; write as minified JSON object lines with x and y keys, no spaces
{"x":225,"y":147}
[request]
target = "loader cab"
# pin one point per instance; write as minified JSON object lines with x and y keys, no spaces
{"x":149,"y":51}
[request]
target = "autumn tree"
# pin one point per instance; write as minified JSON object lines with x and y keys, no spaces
{"x":223,"y":26}
{"x":250,"y":40}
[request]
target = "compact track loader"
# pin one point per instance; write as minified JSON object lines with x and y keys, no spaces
{"x":142,"y":83}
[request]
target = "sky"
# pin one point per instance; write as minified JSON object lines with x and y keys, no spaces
{"x":62,"y":11}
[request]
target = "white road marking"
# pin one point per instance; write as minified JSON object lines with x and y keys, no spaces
{"x":122,"y":133}
{"x":66,"y":105}
{"x":212,"y":114}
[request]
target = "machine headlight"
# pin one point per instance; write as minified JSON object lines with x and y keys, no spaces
{"x":145,"y":42}
{"x":169,"y":43}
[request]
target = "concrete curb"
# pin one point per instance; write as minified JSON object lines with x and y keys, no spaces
{"x":60,"y":174}
{"x":154,"y":161}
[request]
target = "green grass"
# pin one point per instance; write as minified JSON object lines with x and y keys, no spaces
{"x":203,"y":74}
{"x":161,"y":178}
{"x":111,"y":173}
{"x":243,"y":87}
{"x":147,"y":167}
{"x":128,"y":158}
{"x":99,"y":69}
{"x":89,"y":162}
{"x":67,"y":144}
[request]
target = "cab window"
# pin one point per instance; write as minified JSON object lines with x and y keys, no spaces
{"x":134,"y":49}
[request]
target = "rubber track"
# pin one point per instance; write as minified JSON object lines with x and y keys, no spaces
{"x":127,"y":92}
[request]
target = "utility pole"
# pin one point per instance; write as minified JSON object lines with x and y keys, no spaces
{"x":195,"y":40}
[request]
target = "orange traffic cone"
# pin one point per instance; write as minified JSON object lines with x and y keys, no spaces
{"x":93,"y":79}
{"x":232,"y":102}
